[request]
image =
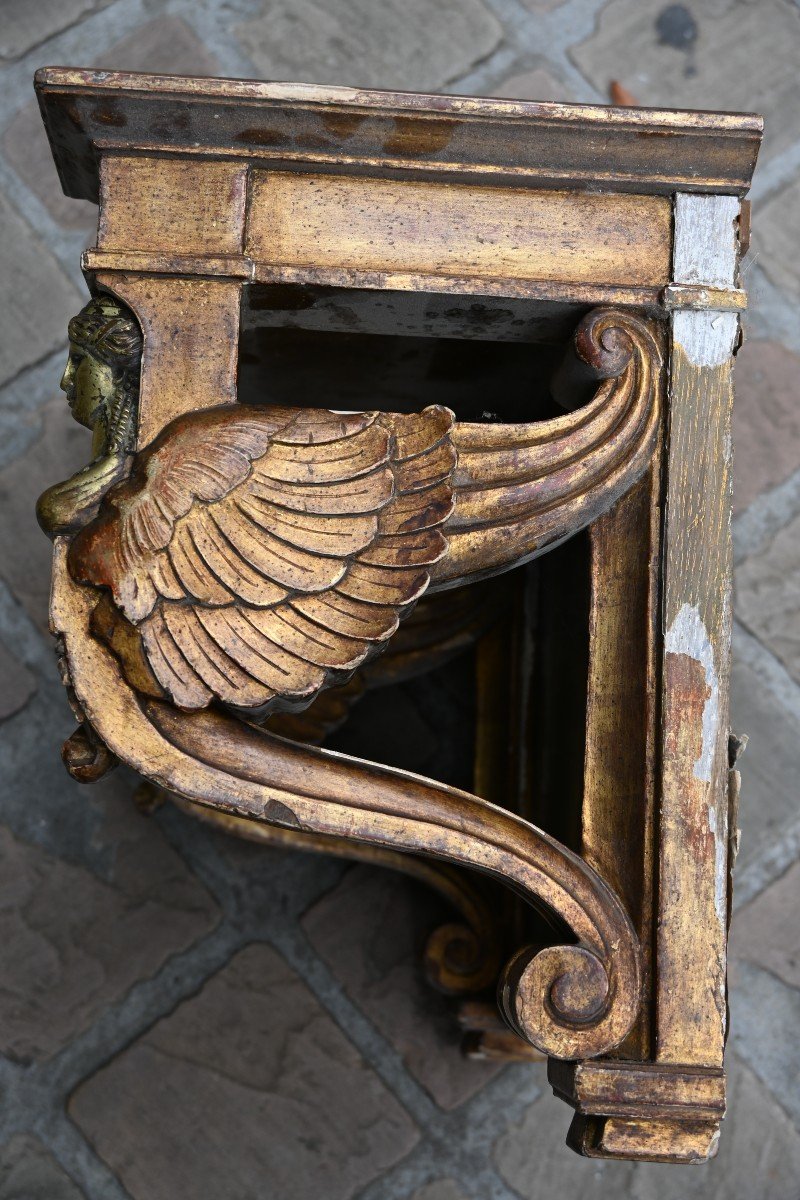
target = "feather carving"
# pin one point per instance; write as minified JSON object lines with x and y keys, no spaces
{"x":255,"y":556}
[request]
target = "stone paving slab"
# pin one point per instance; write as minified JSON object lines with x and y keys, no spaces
{"x":767,"y":931}
{"x":769,"y":798}
{"x":758,"y":1158}
{"x":765,"y":1017}
{"x":29,"y":1172}
{"x":766,"y":419}
{"x":718,"y":54}
{"x":779,"y":239}
{"x":530,"y":1156}
{"x":28,"y":153}
{"x":248,"y":1089}
{"x":536,"y":84}
{"x":371,"y":931}
{"x":442,"y":1189}
{"x":167,"y":45}
{"x":36,"y":298}
{"x":25,"y":25}
{"x":542,"y":6}
{"x":767,"y":589}
{"x":71,"y":943}
{"x":25,"y":553}
{"x":17,"y":685}
{"x":411,"y":45}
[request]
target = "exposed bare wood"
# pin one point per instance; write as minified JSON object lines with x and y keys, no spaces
{"x":692,"y":295}
{"x":693,"y":849}
{"x":697,"y":616}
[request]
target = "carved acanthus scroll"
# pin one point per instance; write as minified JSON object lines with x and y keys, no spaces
{"x":256,"y":556}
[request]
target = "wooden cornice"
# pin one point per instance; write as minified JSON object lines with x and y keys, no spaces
{"x":509,"y":143}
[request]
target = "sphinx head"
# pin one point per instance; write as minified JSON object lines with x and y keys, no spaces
{"x":101,"y":378}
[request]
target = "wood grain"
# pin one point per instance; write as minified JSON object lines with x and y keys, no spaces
{"x":691,"y":1008}
{"x":172,"y":206}
{"x":691,"y":1001}
{"x":381,"y":225}
{"x":191,"y":342}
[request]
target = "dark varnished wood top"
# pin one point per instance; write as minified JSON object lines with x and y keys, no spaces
{"x":401,"y":134}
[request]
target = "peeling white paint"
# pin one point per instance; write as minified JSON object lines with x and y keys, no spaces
{"x":705,"y":248}
{"x":720,"y":868}
{"x":688,"y":635}
{"x":706,"y":338}
{"x":705,"y":251}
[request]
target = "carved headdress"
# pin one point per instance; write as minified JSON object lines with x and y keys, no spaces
{"x":106,"y":329}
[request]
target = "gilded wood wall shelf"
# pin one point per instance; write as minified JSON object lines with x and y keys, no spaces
{"x":283,"y":510}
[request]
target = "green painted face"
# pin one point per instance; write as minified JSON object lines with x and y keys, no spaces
{"x":89,"y":387}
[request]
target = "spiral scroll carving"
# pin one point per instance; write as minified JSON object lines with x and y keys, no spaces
{"x":562,"y":1000}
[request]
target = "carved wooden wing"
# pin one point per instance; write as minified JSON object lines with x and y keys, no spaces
{"x":257,"y":556}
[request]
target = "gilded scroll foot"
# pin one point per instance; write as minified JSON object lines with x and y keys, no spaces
{"x":461,"y":959}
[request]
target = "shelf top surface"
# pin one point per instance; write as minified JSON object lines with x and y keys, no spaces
{"x":500,"y":142}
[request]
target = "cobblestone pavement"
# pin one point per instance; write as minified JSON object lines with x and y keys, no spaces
{"x":187,"y":1017}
